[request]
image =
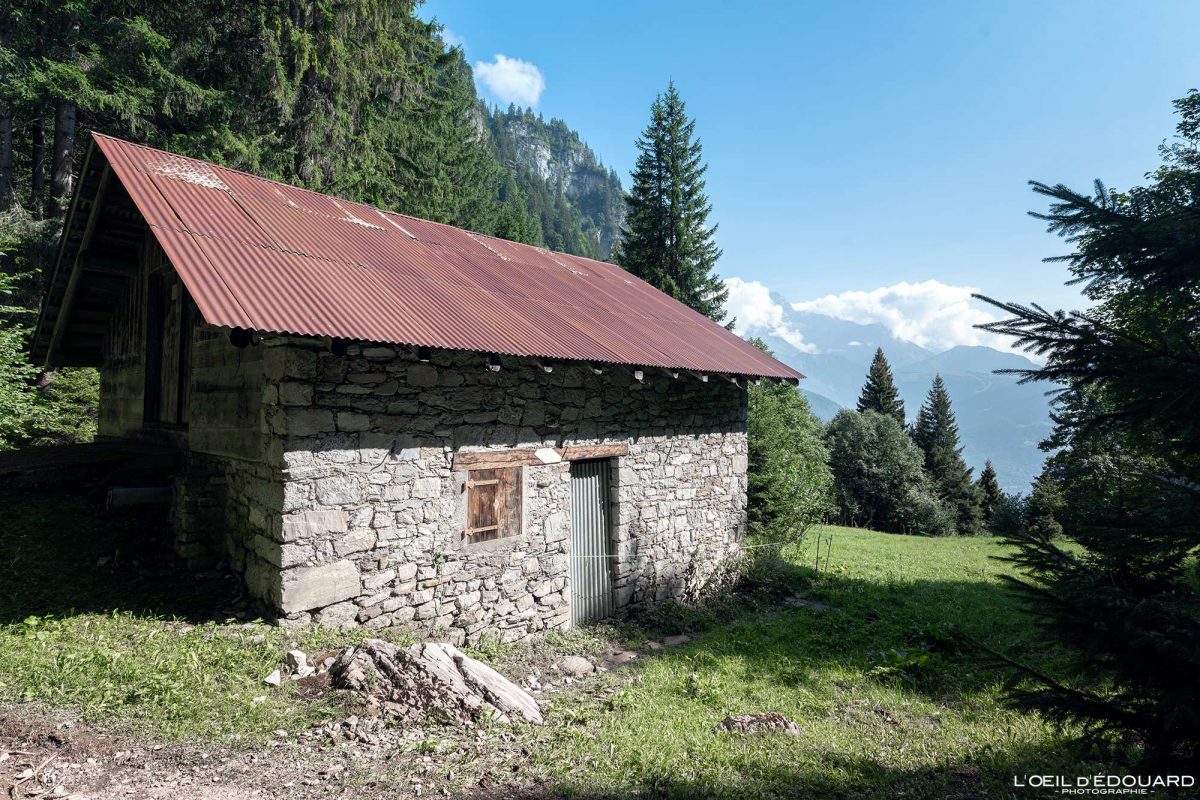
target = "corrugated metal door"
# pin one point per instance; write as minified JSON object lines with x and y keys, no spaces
{"x":591,"y":545}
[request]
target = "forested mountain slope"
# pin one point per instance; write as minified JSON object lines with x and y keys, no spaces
{"x":577,"y":202}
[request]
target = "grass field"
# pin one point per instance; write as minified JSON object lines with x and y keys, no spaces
{"x":94,"y":621}
{"x":890,"y":705}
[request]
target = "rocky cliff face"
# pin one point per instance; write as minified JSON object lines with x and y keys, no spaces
{"x":554,"y":167}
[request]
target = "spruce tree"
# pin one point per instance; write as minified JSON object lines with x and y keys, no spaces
{"x":936,"y":433}
{"x":666,"y":240}
{"x":990,"y":494}
{"x":879,"y":393}
{"x":1117,"y":596}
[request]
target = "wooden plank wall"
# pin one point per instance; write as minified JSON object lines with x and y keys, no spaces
{"x":226,"y":397}
{"x":123,"y":374}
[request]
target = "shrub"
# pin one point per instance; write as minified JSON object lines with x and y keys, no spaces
{"x":788,"y":473}
{"x":1008,"y":515}
{"x":878,"y":476}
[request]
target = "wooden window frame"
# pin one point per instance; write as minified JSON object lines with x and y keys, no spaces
{"x":495,"y":501}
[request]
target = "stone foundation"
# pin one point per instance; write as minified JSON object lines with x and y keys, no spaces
{"x":355,"y":515}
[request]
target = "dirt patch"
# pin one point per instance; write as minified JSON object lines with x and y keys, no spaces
{"x":357,"y":759}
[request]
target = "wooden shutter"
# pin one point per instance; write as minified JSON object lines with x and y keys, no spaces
{"x":493,"y":503}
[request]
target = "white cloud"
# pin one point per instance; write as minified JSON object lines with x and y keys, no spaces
{"x":452,"y":39}
{"x":511,"y":80}
{"x":931,"y":313}
{"x":756,"y":313}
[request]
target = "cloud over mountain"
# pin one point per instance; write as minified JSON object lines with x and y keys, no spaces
{"x":756,"y":314}
{"x":930,"y":313}
{"x":511,"y":80}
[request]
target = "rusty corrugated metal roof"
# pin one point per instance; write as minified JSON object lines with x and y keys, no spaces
{"x":257,"y":254}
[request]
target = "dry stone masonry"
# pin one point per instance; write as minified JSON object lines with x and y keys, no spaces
{"x":350,"y":513}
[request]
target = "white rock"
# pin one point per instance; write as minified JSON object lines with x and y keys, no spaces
{"x":296,"y":660}
{"x":274,"y":679}
{"x":576,"y":666}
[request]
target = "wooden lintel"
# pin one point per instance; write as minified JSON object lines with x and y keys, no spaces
{"x":584,"y":452}
{"x":499,"y":459}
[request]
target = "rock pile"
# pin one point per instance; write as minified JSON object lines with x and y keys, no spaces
{"x":429,"y":680}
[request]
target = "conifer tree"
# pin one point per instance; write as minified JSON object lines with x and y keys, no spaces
{"x":879,"y":393}
{"x":990,"y":494}
{"x":446,"y":172}
{"x":667,"y":241}
{"x":1117,"y":597}
{"x":936,"y":433}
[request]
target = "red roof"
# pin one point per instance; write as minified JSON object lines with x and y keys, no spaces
{"x":262,"y":255}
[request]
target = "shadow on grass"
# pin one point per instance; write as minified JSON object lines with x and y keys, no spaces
{"x":788,"y":621}
{"x":997,"y":775}
{"x":63,"y":554}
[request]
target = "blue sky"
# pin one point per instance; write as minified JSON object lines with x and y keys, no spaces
{"x":856,"y":146}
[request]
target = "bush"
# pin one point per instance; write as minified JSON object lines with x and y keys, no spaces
{"x":60,"y":408}
{"x":879,"y":478}
{"x":1008,"y":515}
{"x":788,"y":472}
{"x":923,"y":512}
{"x":17,"y":394}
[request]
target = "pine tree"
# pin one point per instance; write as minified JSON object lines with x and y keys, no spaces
{"x":990,"y":494}
{"x":1117,"y":596}
{"x":667,"y":241}
{"x":936,"y":433}
{"x":879,"y":393}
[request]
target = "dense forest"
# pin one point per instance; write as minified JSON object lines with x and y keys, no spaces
{"x":357,"y":99}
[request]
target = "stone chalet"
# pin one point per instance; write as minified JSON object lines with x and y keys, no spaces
{"x":387,"y":421}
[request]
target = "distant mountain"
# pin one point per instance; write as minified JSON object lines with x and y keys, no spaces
{"x":998,"y":418}
{"x":577,"y":201}
{"x":822,"y":406}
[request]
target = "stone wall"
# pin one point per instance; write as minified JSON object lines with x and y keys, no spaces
{"x":373,"y":514}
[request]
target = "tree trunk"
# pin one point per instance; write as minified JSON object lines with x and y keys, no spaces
{"x":7,"y":196}
{"x":62,"y":174}
{"x":37,"y":161}
{"x":62,"y":159}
